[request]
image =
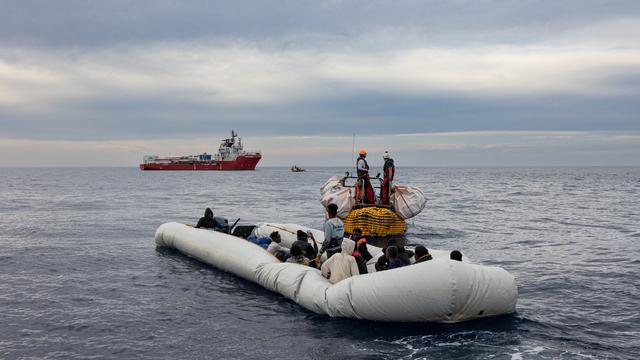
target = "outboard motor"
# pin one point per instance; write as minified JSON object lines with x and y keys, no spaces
{"x":220,"y":224}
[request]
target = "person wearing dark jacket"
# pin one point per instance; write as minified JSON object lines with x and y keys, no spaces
{"x":403,"y":255}
{"x":206,"y":222}
{"x":362,"y":263}
{"x":303,"y":242}
{"x":383,"y":263}
{"x":422,"y":254}
{"x":392,"y":255}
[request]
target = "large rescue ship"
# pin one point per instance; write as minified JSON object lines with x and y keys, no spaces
{"x":230,"y":156}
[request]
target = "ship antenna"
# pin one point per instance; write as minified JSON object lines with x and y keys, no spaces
{"x":353,"y":148}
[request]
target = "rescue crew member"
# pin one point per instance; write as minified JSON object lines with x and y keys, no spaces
{"x":364,"y":190}
{"x":333,"y":233}
{"x":389,"y":171}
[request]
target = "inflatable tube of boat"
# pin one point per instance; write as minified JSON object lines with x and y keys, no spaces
{"x":440,"y":290}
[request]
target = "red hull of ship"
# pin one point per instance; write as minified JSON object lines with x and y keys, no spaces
{"x":242,"y":162}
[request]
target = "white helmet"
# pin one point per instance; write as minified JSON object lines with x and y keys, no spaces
{"x":386,"y":155}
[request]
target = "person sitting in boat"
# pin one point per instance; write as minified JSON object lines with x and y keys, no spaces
{"x":361,"y":253}
{"x":383,"y":263}
{"x":392,"y":255}
{"x":364,"y":190}
{"x":456,"y":255}
{"x":333,"y":232}
{"x":342,"y":265}
{"x":275,"y":248}
{"x":303,"y":242}
{"x":422,"y":254}
{"x":389,"y":170}
{"x":296,"y":256}
{"x":206,"y":222}
{"x":403,"y":255}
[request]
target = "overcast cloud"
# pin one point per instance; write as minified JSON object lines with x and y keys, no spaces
{"x":118,"y":79}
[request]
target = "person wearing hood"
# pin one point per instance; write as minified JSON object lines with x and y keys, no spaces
{"x":342,"y":265}
{"x":206,"y":222}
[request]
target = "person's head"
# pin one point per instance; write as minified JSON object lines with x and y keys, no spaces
{"x":348,"y":246}
{"x":301,"y":235}
{"x":421,"y":251}
{"x":332,"y":210}
{"x":357,"y":233}
{"x":382,"y":263}
{"x":280,"y":255}
{"x":362,"y":153}
{"x":296,"y":250}
{"x":275,"y":236}
{"x":386,"y":155}
{"x":392,"y":252}
{"x":456,"y":255}
{"x":208,"y":213}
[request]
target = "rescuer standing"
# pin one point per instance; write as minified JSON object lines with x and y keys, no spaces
{"x":389,"y":171}
{"x":364,"y":190}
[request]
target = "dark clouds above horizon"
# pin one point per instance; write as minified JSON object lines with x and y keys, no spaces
{"x":139,"y":70}
{"x":78,"y":23}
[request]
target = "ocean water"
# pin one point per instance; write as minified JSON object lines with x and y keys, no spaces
{"x":80,"y":276}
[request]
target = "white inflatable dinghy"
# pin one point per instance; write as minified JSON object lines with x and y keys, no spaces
{"x":439,"y":290}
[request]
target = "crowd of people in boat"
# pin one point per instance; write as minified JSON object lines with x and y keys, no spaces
{"x":344,"y":257}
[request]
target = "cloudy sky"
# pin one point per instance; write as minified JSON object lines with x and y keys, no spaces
{"x":436,"y":83}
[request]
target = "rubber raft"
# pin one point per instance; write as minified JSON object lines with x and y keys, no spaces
{"x":439,"y":290}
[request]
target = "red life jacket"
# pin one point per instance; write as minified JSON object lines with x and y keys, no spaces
{"x":362,"y":173}
{"x":389,"y":169}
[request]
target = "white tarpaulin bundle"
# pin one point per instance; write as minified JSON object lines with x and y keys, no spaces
{"x":440,"y":290}
{"x":408,"y":201}
{"x":340,"y":196}
{"x":329,"y":184}
{"x":333,"y":192}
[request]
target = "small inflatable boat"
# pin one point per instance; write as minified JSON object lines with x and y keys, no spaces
{"x":439,"y":290}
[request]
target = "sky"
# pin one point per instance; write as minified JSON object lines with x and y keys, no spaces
{"x":455,"y":83}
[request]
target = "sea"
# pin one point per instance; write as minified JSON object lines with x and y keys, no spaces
{"x":81,"y":277}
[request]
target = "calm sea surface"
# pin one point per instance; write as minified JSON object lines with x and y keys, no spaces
{"x":80,"y":276}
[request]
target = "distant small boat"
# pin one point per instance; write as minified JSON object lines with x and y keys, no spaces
{"x":294,"y":168}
